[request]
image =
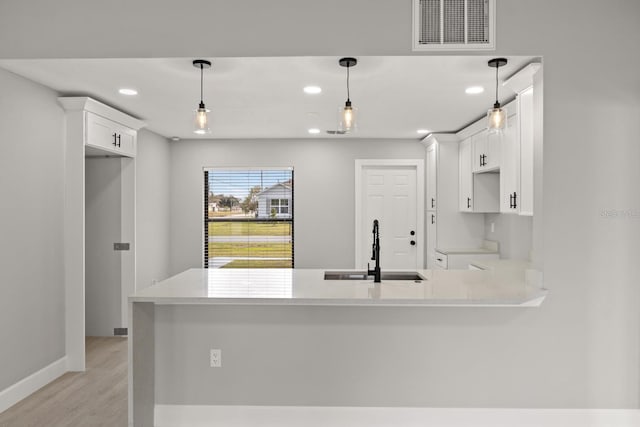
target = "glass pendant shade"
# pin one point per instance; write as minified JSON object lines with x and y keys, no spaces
{"x":201,"y":124}
{"x":496,"y":116}
{"x":347,"y":118}
{"x":497,"y":119}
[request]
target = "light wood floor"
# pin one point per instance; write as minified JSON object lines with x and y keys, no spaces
{"x":96,"y":397}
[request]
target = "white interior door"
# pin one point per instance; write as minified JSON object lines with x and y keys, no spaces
{"x":392,"y":195}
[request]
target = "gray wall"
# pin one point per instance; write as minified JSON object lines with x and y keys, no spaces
{"x":324,"y":191}
{"x":512,"y":232}
{"x":31,"y":197}
{"x":583,"y":343}
{"x":152,"y":208}
{"x":103,"y":193}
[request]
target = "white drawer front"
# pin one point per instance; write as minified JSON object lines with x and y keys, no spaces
{"x":441,"y":260}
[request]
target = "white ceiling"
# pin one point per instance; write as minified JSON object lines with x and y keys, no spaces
{"x":263,"y":97}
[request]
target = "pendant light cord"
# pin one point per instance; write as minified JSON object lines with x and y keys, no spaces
{"x":348,"y":95}
{"x":201,"y":84}
{"x":497,"y":83}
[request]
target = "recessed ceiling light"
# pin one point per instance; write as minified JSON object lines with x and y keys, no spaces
{"x":474,"y":90}
{"x":313,"y":131}
{"x":312,"y":90}
{"x":128,"y":92}
{"x":423,"y":131}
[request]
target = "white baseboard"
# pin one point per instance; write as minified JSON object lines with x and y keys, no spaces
{"x":23,"y":388}
{"x":296,"y":416}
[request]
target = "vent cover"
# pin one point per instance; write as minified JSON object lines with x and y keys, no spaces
{"x":453,"y":24}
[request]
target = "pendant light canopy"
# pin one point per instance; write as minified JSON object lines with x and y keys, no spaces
{"x":496,"y":116}
{"x":201,"y":118}
{"x":347,"y":114}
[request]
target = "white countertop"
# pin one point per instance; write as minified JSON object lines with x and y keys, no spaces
{"x":490,"y":264}
{"x":499,"y":288}
{"x":466,"y":251}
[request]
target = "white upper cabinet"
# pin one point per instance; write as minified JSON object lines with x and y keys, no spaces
{"x":465,"y":191}
{"x":110,"y":136}
{"x":431,"y":176}
{"x":510,"y":167}
{"x":517,"y":172}
{"x":102,"y":129}
{"x":486,"y":151}
{"x":477,"y":192}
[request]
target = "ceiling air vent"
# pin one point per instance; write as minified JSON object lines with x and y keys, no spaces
{"x":453,"y":24}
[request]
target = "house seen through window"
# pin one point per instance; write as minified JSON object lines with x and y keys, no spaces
{"x":248,"y":218}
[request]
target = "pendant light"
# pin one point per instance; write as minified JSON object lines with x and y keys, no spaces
{"x":497,"y":116}
{"x":201,"y":119}
{"x":347,"y":114}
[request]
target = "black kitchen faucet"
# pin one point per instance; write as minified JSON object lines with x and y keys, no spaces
{"x":375,"y":255}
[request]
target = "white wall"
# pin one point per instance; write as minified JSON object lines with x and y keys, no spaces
{"x":103,"y":193}
{"x":581,"y":348}
{"x":514,"y":234}
{"x":152,"y":208}
{"x":324,"y":191}
{"x":31,"y":207}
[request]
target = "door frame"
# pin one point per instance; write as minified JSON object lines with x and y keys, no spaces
{"x":418,"y":165}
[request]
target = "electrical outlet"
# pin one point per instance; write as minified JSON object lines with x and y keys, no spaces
{"x":215,"y":358}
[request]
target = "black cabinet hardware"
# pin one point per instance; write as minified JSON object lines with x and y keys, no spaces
{"x":483,"y":160}
{"x":433,"y":202}
{"x":513,"y":200}
{"x":433,"y":219}
{"x":413,"y":233}
{"x":413,"y":243}
{"x":115,"y":138}
{"x":439,"y":259}
{"x":119,"y":138}
{"x":469,"y":202}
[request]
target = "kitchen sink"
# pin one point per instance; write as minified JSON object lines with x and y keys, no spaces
{"x":362,"y":275}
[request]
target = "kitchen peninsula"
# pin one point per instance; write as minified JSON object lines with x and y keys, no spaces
{"x":268,"y":321}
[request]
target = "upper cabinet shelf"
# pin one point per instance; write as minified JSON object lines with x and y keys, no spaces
{"x":105,"y":130}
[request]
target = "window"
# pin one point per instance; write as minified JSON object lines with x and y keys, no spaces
{"x":248,"y":218}
{"x":280,"y":207}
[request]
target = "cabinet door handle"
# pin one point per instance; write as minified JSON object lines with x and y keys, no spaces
{"x":433,"y":219}
{"x":515,"y":198}
{"x":433,"y":202}
{"x":439,"y":259}
{"x":510,"y":201}
{"x":115,"y":139}
{"x":413,"y":233}
{"x":413,"y":243}
{"x":469,"y":202}
{"x":480,"y":159}
{"x":118,"y":140}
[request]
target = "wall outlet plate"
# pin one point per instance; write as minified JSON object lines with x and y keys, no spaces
{"x":215,"y":358}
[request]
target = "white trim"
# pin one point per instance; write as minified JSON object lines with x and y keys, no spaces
{"x":83,"y":103}
{"x":419,"y":166}
{"x":26,"y":386}
{"x":319,"y":416}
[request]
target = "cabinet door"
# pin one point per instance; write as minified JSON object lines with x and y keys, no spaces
{"x":431,"y":176}
{"x":510,"y":168}
{"x":486,"y":151}
{"x":526,"y":115}
{"x":479,"y":151}
{"x":465,"y":184}
{"x":110,"y":136}
{"x":432,"y":238}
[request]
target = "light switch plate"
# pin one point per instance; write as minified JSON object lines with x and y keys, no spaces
{"x":120,"y":246}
